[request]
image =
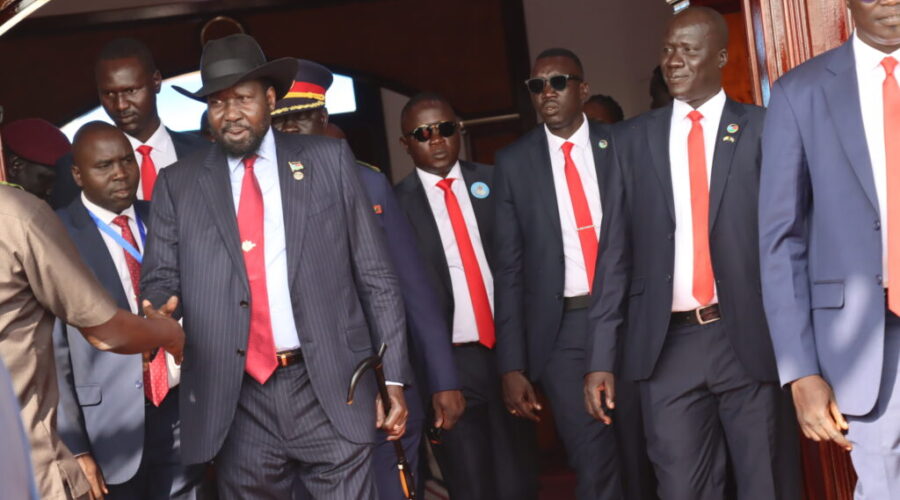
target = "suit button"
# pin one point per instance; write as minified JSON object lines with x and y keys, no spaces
{"x":559,"y":296}
{"x":138,"y":384}
{"x":877,"y":225}
{"x":878,"y":278}
{"x":245,"y":304}
{"x":669,"y":278}
{"x":241,"y":352}
{"x":562,"y":259}
{"x":670,"y":236}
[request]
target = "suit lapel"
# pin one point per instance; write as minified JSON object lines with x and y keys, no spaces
{"x":599,"y":146}
{"x":732,"y":114}
{"x":658,"y":144}
{"x":215,"y":185}
{"x":422,"y":218}
{"x":542,"y":173}
{"x":95,"y":252}
{"x":481,"y":206}
{"x":842,"y":96}
{"x":294,"y":193}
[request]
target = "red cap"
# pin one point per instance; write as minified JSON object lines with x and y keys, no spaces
{"x":35,"y":140}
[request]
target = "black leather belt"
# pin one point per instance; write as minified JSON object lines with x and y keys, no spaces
{"x":699,"y":316}
{"x":575,"y":303}
{"x":288,"y":358}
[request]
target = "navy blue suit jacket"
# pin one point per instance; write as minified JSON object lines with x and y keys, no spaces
{"x":427,"y":324}
{"x":101,"y":402}
{"x":412,"y":197}
{"x":65,"y":190}
{"x":633,"y":286}
{"x":528,"y":249}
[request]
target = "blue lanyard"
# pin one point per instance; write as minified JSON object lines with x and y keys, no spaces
{"x":117,"y":236}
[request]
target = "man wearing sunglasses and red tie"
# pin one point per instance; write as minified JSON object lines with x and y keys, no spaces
{"x":547,"y":221}
{"x":448,"y":202}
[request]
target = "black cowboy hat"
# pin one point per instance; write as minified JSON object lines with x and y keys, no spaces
{"x":238,"y":58}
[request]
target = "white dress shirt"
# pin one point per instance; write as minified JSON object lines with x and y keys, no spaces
{"x":576,"y":280}
{"x":870,"y":76}
{"x":465,"y":328}
{"x":162,"y":154}
{"x":683,"y":275}
{"x":284,"y":329}
{"x":118,"y":257}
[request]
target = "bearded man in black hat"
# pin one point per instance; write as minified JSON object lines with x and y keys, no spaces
{"x":285,"y":285}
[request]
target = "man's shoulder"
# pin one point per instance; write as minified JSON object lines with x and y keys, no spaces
{"x":635,"y":127}
{"x":16,"y":203}
{"x":524,"y":145}
{"x":800,"y":77}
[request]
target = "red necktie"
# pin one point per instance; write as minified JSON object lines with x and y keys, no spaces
{"x":583,"y":221}
{"x":261,"y":362}
{"x":156,"y":378}
{"x":148,"y":171}
{"x":484,"y":318}
{"x":892,"y":163}
{"x":703,"y":272}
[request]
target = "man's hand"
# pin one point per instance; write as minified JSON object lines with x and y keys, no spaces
{"x":175,"y":343}
{"x":817,"y":411}
{"x":519,"y":397}
{"x":596,"y":385}
{"x":94,"y":476}
{"x":448,"y":407}
{"x":395,"y":423}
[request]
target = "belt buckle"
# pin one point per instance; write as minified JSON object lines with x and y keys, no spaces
{"x":699,"y":316}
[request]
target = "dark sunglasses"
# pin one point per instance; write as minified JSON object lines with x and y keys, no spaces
{"x":558,"y":82}
{"x":424,"y":133}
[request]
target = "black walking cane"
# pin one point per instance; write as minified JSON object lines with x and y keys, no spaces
{"x":376,"y":363}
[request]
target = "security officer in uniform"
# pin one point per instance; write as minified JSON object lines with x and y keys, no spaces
{"x":302,"y":111}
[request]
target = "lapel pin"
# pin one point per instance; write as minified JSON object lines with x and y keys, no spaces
{"x":378,"y":210}
{"x":728,"y":138}
{"x":298,"y":175}
{"x":732,"y":128}
{"x":297,"y":169}
{"x":480,"y":190}
{"x":603,"y":144}
{"x":247,"y":245}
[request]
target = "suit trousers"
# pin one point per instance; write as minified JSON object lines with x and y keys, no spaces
{"x":700,"y":409}
{"x":876,"y":436}
{"x":279,"y":433}
{"x":489,"y":454}
{"x":161,"y":475}
{"x":590,"y":444}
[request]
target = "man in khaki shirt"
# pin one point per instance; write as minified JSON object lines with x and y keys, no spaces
{"x":41,"y":277}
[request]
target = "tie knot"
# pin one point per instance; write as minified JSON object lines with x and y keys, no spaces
{"x":889,"y":64}
{"x":567,"y":148}
{"x":445,"y":184}
{"x":144,"y":150}
{"x":695,"y":116}
{"x":249,"y":161}
{"x":121,"y":221}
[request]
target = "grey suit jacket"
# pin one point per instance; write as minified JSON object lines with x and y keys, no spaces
{"x":101,"y":396}
{"x":343,"y":290}
{"x":820,"y":232}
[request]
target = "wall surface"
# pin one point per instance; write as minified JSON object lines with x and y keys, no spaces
{"x":616,"y":40}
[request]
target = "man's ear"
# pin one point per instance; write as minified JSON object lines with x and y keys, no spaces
{"x":271,"y":98}
{"x":723,"y":58}
{"x":584,"y":91}
{"x":157,"y":81}
{"x":323,"y":115}
{"x":76,"y":174}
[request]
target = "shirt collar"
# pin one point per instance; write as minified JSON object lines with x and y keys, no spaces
{"x":869,"y":58}
{"x":103,"y":214}
{"x":581,"y":138}
{"x":266,"y":151}
{"x":430,"y":180}
{"x":711,"y":108}
{"x":159,"y":141}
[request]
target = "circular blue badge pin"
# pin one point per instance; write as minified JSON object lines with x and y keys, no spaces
{"x":480,"y":190}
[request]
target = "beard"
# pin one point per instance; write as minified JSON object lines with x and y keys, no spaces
{"x":243,"y":147}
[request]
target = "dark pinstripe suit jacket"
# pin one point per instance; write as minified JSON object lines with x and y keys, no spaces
{"x":343,"y":289}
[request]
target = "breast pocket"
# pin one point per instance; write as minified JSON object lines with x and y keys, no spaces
{"x":89,"y":395}
{"x":827,"y":295}
{"x":358,"y":339}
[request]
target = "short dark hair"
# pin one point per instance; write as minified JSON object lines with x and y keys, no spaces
{"x":124,"y":48}
{"x":610,"y":103}
{"x":419,"y":98}
{"x":561,"y":52}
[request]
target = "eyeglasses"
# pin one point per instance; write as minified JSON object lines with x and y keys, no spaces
{"x":558,"y":82}
{"x":424,"y":133}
